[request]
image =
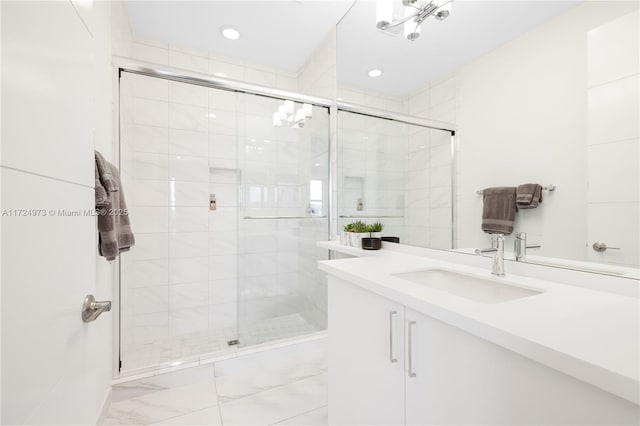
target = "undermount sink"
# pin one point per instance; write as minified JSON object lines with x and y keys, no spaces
{"x":480,"y":289}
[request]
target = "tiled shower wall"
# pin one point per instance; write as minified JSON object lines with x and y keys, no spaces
{"x":181,"y":277}
{"x":278,"y":164}
{"x":372,"y":172}
{"x":398,"y":174}
{"x":180,"y":143}
{"x":428,"y":205}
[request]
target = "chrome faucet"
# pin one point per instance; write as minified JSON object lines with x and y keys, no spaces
{"x":497,"y":260}
{"x":520,"y":246}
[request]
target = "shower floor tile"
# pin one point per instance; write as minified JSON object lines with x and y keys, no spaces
{"x":193,"y":347}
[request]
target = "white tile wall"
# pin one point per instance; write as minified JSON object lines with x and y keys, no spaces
{"x":613,"y":153}
{"x":188,"y":244}
{"x":145,"y":139}
{"x":614,"y":162}
{"x":613,"y":50}
{"x":188,"y":142}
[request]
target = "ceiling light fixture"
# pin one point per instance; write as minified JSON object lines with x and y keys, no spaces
{"x":229,"y":33}
{"x":413,"y":14}
{"x":292,"y":117}
{"x":374,"y":73}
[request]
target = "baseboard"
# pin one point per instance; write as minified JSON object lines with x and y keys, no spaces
{"x":105,"y":409}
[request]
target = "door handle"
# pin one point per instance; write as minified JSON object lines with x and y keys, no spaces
{"x":410,"y":348}
{"x":392,"y":359}
{"x":602,"y":247}
{"x":91,"y":309}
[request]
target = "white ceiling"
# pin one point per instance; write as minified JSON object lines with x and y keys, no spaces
{"x":280,"y":33}
{"x":284,"y":33}
{"x":473,"y":29}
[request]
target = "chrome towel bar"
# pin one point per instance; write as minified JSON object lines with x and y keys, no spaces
{"x":549,"y":188}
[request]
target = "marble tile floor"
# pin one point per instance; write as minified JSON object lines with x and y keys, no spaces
{"x":283,"y":386}
{"x":192,"y":347}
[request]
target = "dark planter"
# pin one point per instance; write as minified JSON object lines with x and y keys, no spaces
{"x":371,"y":243}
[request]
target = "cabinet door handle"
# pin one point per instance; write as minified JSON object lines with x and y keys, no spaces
{"x":392,"y":359}
{"x":410,"y":348}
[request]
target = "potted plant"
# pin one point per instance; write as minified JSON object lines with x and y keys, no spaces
{"x":345,"y":234}
{"x":375,"y":230}
{"x":359,"y":231}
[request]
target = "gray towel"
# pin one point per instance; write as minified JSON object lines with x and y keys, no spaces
{"x":499,"y":210}
{"x":126,"y":240}
{"x":105,"y":174}
{"x":102,"y":198}
{"x":114,"y":230}
{"x":528,"y":196}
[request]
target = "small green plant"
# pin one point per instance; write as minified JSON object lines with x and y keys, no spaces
{"x":348,"y":227}
{"x":360,"y":227}
{"x":375,"y":227}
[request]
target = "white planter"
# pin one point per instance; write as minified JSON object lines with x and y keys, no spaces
{"x":359,"y":237}
{"x":344,"y":238}
{"x":376,"y":235}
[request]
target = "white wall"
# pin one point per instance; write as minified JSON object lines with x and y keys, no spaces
{"x":56,"y":94}
{"x":317,"y":76}
{"x":521,"y":112}
{"x":613,"y":140}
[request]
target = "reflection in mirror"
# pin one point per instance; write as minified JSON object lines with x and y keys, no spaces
{"x":539,"y":92}
{"x":397,"y":174}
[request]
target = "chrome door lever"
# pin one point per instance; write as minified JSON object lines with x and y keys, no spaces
{"x":602,"y":247}
{"x":91,"y":309}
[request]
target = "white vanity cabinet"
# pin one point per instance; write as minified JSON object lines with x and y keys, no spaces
{"x":366,"y":358}
{"x":443,"y":375}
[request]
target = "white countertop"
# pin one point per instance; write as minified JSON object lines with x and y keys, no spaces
{"x":590,"y":335}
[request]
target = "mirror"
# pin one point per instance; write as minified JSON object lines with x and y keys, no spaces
{"x":397,"y":174}
{"x":539,"y":92}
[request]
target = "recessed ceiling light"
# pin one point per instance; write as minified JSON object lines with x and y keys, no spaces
{"x":375,"y":72}
{"x":229,"y":33}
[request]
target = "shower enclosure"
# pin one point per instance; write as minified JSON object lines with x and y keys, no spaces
{"x":399,"y":174}
{"x":228,"y":193}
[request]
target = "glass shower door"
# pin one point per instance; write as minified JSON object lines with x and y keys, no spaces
{"x":178,"y":292}
{"x":283,"y":210}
